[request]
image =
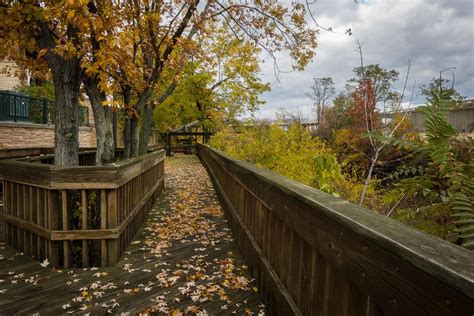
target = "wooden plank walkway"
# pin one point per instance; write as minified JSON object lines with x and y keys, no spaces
{"x":183,"y":261}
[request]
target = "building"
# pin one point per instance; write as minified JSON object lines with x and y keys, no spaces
{"x":462,"y":118}
{"x":27,"y":122}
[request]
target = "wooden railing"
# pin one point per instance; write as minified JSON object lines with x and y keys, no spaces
{"x":7,"y":153}
{"x":315,"y":254}
{"x":78,"y":216}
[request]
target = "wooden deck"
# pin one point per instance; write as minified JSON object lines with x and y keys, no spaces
{"x":182,"y":259}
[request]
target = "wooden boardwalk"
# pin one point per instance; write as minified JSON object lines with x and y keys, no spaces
{"x":182,"y":260}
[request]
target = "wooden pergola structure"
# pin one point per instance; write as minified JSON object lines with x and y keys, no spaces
{"x":189,"y":130}
{"x":205,"y":137}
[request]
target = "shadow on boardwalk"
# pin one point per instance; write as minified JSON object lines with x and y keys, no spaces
{"x":182,"y":260}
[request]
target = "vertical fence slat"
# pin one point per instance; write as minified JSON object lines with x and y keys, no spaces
{"x":65,"y":214}
{"x":6,"y":207}
{"x":112,"y":222}
{"x":53,"y":223}
{"x":103,"y":225}
{"x":29,"y":217}
{"x":24,"y":202}
{"x":19,"y":214}
{"x":85,"y":243}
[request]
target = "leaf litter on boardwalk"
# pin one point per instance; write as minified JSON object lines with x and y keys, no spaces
{"x":187,"y":216}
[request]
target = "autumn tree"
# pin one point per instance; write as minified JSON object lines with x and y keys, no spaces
{"x":157,"y":59}
{"x":47,"y":36}
{"x":322,"y":92}
{"x":362,"y":109}
{"x":63,"y":38}
{"x":135,"y":49}
{"x":365,"y":137}
{"x":335,"y":118}
{"x":218,"y":89}
{"x":382,"y":81}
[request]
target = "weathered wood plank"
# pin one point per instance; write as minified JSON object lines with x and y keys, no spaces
{"x":283,"y":302}
{"x":65,"y":226}
{"x":81,"y":177}
{"x":402,"y":270}
{"x":84,"y":220}
{"x":112,"y":222}
{"x":52,"y":212}
{"x":103,"y":225}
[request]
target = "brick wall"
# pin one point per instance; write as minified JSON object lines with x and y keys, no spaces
{"x":24,"y":135}
{"x":19,"y":135}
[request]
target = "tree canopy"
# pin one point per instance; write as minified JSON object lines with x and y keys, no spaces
{"x":137,"y":49}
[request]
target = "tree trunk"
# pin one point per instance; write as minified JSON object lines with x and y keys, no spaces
{"x":115,"y":128}
{"x":133,"y":137}
{"x":145,"y":130}
{"x":375,"y":157}
{"x":103,"y":122}
{"x":67,"y":81}
{"x":104,"y":134}
{"x":126,"y":137}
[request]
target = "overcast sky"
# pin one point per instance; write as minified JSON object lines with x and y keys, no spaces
{"x":433,"y":34}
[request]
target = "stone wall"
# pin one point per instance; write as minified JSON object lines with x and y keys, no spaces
{"x":20,"y":135}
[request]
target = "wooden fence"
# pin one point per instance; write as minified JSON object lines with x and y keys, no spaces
{"x":78,"y":216}
{"x":315,"y":254}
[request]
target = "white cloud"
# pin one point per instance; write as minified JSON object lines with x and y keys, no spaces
{"x":434,"y":35}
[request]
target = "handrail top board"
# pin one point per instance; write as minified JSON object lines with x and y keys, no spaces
{"x":443,"y":260}
{"x":33,"y":152}
{"x":78,"y":177}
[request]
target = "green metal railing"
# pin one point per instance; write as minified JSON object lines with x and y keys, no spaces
{"x":16,"y":107}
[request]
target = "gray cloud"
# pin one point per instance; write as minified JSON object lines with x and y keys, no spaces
{"x":434,"y":35}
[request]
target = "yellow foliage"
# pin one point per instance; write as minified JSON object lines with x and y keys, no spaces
{"x":293,"y":153}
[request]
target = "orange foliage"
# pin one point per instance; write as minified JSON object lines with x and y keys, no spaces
{"x":362,"y":109}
